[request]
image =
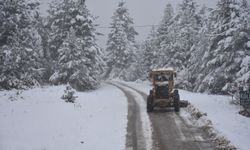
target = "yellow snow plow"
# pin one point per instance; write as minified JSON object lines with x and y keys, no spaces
{"x":163,"y":93}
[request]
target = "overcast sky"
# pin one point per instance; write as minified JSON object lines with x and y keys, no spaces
{"x":144,"y":12}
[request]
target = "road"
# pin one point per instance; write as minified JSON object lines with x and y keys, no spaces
{"x":169,"y":130}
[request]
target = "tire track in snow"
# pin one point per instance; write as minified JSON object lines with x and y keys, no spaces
{"x":139,"y":134}
{"x":156,"y":143}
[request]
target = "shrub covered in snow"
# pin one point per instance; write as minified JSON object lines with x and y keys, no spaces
{"x":16,"y":96}
{"x":245,"y":112}
{"x":69,"y":94}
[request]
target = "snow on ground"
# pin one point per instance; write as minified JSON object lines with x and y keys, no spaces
{"x":146,"y":124}
{"x":224,"y":116}
{"x":38,"y":119}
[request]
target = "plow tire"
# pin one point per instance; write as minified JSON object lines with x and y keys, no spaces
{"x":176,"y":101}
{"x":150,"y":107}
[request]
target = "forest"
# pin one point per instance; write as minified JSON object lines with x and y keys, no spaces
{"x":209,"y":48}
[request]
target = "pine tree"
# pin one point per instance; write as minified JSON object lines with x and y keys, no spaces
{"x":177,"y":36}
{"x":228,"y":47}
{"x":121,"y":45}
{"x":165,"y":37}
{"x":19,"y":44}
{"x":79,"y":59}
{"x":165,"y":23}
{"x":200,"y":51}
{"x":150,"y":48}
{"x":186,"y":27}
{"x":59,"y":23}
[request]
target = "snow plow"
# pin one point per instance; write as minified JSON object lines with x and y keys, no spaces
{"x":163,"y":93}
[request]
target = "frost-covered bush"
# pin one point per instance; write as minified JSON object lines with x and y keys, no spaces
{"x":13,"y":82}
{"x":69,"y":94}
{"x":16,"y":96}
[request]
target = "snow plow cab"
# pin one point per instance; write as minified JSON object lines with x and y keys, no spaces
{"x":163,"y":93}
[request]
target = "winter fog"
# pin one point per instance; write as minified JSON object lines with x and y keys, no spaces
{"x":144,"y":12}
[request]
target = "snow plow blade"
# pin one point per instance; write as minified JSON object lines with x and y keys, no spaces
{"x":184,"y":103}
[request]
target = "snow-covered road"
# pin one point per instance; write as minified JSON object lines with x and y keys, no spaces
{"x":139,"y":133}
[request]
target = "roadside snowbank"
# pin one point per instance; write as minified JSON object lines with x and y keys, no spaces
{"x":223,"y":115}
{"x":39,"y":119}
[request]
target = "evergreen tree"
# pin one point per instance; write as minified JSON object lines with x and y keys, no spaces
{"x":19,"y":44}
{"x":79,"y":59}
{"x":186,"y":26}
{"x":228,"y":52}
{"x":150,"y":48}
{"x":165,"y":37}
{"x":165,"y":23}
{"x":121,"y":45}
{"x":196,"y":68}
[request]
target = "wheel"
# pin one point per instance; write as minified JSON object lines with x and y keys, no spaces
{"x":176,"y":101}
{"x":150,"y":107}
{"x":151,"y":92}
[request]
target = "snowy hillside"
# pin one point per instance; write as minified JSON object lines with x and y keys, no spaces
{"x":40,"y":119}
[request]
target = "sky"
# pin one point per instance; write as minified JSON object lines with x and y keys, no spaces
{"x":144,"y":12}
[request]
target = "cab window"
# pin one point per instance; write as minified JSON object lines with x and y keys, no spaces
{"x":163,"y":77}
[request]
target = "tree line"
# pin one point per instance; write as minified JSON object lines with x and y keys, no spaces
{"x":57,"y":49}
{"x":209,"y":48}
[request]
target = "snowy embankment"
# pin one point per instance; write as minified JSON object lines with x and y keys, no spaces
{"x":40,"y":119}
{"x":223,"y":115}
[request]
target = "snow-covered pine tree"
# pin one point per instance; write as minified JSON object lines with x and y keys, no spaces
{"x":147,"y":57}
{"x":166,"y":20}
{"x":186,"y":27}
{"x":59,"y":23}
{"x":165,"y":37}
{"x":179,"y":39}
{"x":242,"y":44}
{"x":200,"y":51}
{"x":121,"y":45}
{"x":48,"y":63}
{"x":228,"y":59}
{"x":19,"y":44}
{"x":79,"y":58}
{"x":150,"y":48}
